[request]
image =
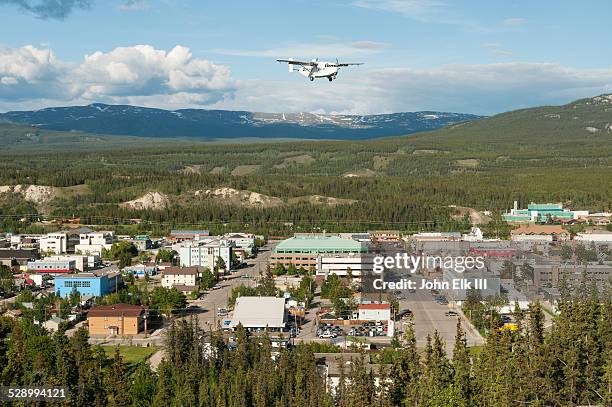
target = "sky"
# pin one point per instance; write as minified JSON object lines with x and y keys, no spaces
{"x":481,"y":57}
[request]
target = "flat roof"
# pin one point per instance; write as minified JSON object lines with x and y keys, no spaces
{"x":93,"y":274}
{"x":189,"y":232}
{"x":181,"y":271}
{"x":323,"y":244}
{"x":259,"y":312}
{"x":374,"y":306}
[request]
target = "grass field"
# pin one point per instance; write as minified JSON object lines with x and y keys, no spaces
{"x":131,"y":354}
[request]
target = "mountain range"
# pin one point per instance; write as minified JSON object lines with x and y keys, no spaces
{"x":126,"y":120}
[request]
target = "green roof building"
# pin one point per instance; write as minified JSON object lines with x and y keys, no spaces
{"x":320,"y":245}
{"x":538,"y":213}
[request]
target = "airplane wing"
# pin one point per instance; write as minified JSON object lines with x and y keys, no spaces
{"x":346,"y":64}
{"x":293,"y":62}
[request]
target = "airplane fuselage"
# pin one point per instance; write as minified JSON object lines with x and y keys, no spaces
{"x":320,"y":70}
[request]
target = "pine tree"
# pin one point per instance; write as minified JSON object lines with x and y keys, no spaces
{"x":461,"y":366}
{"x":115,"y":383}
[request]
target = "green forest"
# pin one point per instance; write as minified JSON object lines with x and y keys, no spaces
{"x":569,"y":363}
{"x":407,"y":183}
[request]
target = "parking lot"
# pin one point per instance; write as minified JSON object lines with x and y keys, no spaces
{"x":366,"y":329}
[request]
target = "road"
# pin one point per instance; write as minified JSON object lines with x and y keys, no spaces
{"x":214,"y":299}
{"x":429,"y":317}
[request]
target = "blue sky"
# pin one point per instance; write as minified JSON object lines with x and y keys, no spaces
{"x":479,"y":57}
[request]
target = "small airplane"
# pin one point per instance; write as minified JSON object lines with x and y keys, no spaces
{"x":317,"y":69}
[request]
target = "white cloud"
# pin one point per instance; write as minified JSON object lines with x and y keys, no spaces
{"x":142,"y":75}
{"x":314,"y":50}
{"x":482,"y":89}
{"x":141,"y":70}
{"x":497,"y":49}
{"x":417,"y":9}
{"x":515,"y":22}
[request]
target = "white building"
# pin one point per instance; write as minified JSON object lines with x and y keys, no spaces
{"x":599,"y":236}
{"x":245,"y":241}
{"x":180,"y":277}
{"x":82,"y":262}
{"x":339,"y":265}
{"x":374,"y":312}
{"x":206,"y":255}
{"x":259,"y":313}
{"x":56,"y":243}
{"x":93,"y":243}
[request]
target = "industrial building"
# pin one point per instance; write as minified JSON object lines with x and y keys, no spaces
{"x":87,"y":284}
{"x":542,"y":213}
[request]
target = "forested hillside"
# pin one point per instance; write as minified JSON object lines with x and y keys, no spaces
{"x":551,"y":154}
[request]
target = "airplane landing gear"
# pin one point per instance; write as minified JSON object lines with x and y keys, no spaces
{"x":311,"y":78}
{"x":330,"y":78}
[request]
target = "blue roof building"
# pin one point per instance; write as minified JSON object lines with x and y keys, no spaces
{"x":87,"y":284}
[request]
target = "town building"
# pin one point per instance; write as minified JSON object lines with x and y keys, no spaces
{"x":436,"y":237}
{"x":185,"y":278}
{"x":93,"y":243}
{"x":142,"y":242}
{"x":16,"y":258}
{"x":177,"y":236}
{"x":206,"y":254}
{"x":374,"y":312}
{"x":304,"y":251}
{"x":140,"y":270}
{"x":340,"y":264}
{"x":493,"y":248}
{"x":599,"y":236}
{"x":52,"y":266}
{"x":244,"y":241}
{"x":542,"y":213}
{"x":117,"y":319}
{"x":25,"y":241}
{"x":385,"y":235}
{"x":551,"y":274}
{"x":539,"y":233}
{"x":87,"y":284}
{"x":53,"y":324}
{"x":260,"y":313}
{"x":82,"y":262}
{"x":55,"y":243}
{"x":334,"y":367}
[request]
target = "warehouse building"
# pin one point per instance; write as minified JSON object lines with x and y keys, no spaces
{"x":260,"y":313}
